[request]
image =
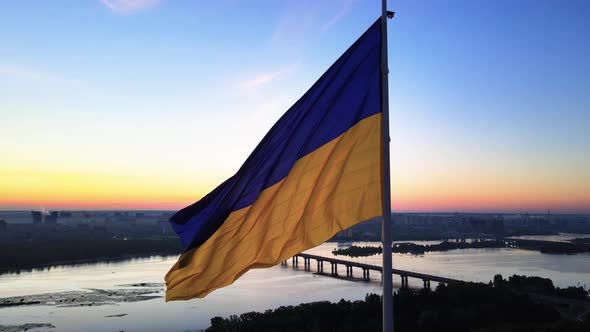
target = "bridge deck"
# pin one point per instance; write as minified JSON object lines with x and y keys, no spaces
{"x":417,"y":275}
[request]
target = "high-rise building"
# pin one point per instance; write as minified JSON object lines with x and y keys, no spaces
{"x":37,"y":217}
{"x":51,"y":218}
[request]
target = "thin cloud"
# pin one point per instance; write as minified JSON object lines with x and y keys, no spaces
{"x":347,"y":5}
{"x":304,"y":21}
{"x":129,"y":6}
{"x":262,"y":79}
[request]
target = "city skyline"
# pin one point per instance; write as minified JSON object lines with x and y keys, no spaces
{"x":151,"y":104}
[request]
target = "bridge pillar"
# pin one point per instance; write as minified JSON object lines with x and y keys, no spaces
{"x":349,"y":271}
{"x":404,"y":281}
{"x":350,"y":265}
{"x":334,"y":268}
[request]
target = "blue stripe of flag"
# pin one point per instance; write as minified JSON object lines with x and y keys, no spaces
{"x":327,"y":110}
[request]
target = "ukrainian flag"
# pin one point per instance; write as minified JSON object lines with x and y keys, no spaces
{"x":317,"y":172}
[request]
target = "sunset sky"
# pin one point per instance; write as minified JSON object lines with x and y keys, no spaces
{"x":150,"y":104}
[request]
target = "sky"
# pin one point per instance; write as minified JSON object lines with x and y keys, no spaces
{"x":150,"y":104}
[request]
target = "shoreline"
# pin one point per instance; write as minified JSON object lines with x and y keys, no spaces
{"x":167,"y":253}
{"x":15,"y":257}
{"x":75,"y":262}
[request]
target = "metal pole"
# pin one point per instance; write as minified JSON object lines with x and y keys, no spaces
{"x":385,"y":189}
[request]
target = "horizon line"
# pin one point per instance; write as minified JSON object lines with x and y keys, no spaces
{"x":392,"y":212}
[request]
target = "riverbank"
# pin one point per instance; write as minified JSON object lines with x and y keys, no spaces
{"x":263,"y":288}
{"x":511,"y":304}
{"x":28,"y":256}
{"x":546,"y":247}
{"x":415,"y":249}
{"x":89,"y":297}
{"x":16,"y":258}
{"x":462,"y":307}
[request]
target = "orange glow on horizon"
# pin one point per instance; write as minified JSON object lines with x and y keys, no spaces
{"x":399,"y":204}
{"x":477,"y":205}
{"x":31,"y":189}
{"x":423,"y":202}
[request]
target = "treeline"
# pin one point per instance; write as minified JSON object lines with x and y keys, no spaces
{"x":358,"y":251}
{"x":576,"y":246}
{"x":581,"y":240}
{"x":461,"y":307}
{"x":419,"y":249}
{"x":413,"y":248}
{"x":540,"y":286}
{"x":18,"y":256}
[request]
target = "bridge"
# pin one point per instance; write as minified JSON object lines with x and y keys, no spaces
{"x":366,"y":268}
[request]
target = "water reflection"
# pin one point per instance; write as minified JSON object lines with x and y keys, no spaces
{"x":108,"y":262}
{"x":561,"y":237}
{"x":257,"y":289}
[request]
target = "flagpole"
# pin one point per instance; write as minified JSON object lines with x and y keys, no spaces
{"x":385,"y":189}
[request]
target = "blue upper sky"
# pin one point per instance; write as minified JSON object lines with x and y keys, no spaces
{"x":489,"y":100}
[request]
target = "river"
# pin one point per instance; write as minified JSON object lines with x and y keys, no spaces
{"x":256,"y":290}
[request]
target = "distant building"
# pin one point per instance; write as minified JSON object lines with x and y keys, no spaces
{"x":17,"y":217}
{"x":64,"y":214}
{"x":51,"y":219}
{"x":37,"y":217}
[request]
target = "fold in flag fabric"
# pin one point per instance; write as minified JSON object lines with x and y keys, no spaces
{"x":315,"y":173}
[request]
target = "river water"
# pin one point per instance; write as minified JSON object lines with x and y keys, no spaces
{"x":256,"y":290}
